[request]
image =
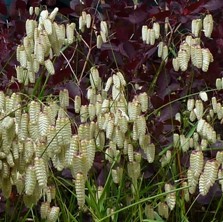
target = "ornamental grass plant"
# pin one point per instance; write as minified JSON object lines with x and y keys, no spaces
{"x":111,"y":111}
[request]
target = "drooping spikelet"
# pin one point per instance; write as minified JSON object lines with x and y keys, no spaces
{"x":176,"y":65}
{"x":196,"y":162}
{"x":196,"y":27}
{"x":144,"y":33}
{"x":40,"y":171}
{"x":30,"y":180}
{"x":94,"y":78}
{"x":144,"y":101}
{"x":49,"y":67}
{"x":53,"y":214}
{"x":163,"y":210}
{"x":207,"y":59}
{"x":160,"y":49}
{"x":208,"y":25}
{"x":170,"y":197}
{"x":192,"y":181}
{"x":44,"y":209}
{"x":208,"y":177}
{"x":196,"y":56}
{"x":53,"y":14}
{"x":70,"y":32}
{"x":99,"y":41}
{"x":156,"y":28}
{"x":165,"y":53}
{"x":80,"y":189}
{"x":183,"y":59}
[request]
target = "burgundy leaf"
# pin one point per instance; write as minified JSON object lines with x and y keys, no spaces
{"x":214,"y":192}
{"x":150,"y":52}
{"x":35,"y":3}
{"x":156,"y":101}
{"x":21,"y":4}
{"x":115,"y":57}
{"x":3,"y":9}
{"x":137,"y":16}
{"x":161,"y":15}
{"x":162,"y":84}
{"x":124,"y":30}
{"x":176,"y":7}
{"x":110,"y":46}
{"x":74,"y":3}
{"x":220,"y":44}
{"x":132,"y":65}
{"x":170,"y":89}
{"x":91,"y":3}
{"x":127,"y":49}
{"x":194,"y":8}
{"x":169,"y":111}
{"x":213,"y":5}
{"x":72,"y":88}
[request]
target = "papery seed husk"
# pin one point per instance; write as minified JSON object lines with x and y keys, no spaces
{"x":36,"y":10}
{"x":152,"y":37}
{"x":50,"y":67}
{"x":208,"y":25}
{"x":183,"y":60}
{"x":70,"y":32}
{"x":148,"y":36}
{"x":48,"y":26}
{"x":165,"y":54}
{"x":190,"y":104}
{"x":203,"y":95}
{"x":144,"y":33}
{"x":99,"y":41}
{"x":30,"y":26}
{"x":206,"y":59}
{"x":53,"y":14}
{"x":160,"y":49}
{"x":188,"y":40}
{"x":156,"y":28}
{"x":121,"y":77}
{"x":104,"y":28}
{"x":81,"y":23}
{"x":88,"y":21}
{"x":176,"y":65}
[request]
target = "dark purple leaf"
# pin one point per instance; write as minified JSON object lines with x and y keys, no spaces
{"x":162,"y":84}
{"x":127,"y":49}
{"x":115,"y":57}
{"x":74,"y":3}
{"x":160,"y":16}
{"x":3,"y":9}
{"x":169,"y":111}
{"x":21,"y":4}
{"x":68,"y":12}
{"x":132,"y":65}
{"x":137,"y":16}
{"x":169,"y":89}
{"x":214,"y":192}
{"x":19,"y":27}
{"x":72,"y":88}
{"x":213,"y":5}
{"x":194,"y":8}
{"x":150,"y":52}
{"x":110,"y":46}
{"x":67,"y":174}
{"x":176,"y":7}
{"x":156,"y":101}
{"x":124,"y":30}
{"x":91,"y":3}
